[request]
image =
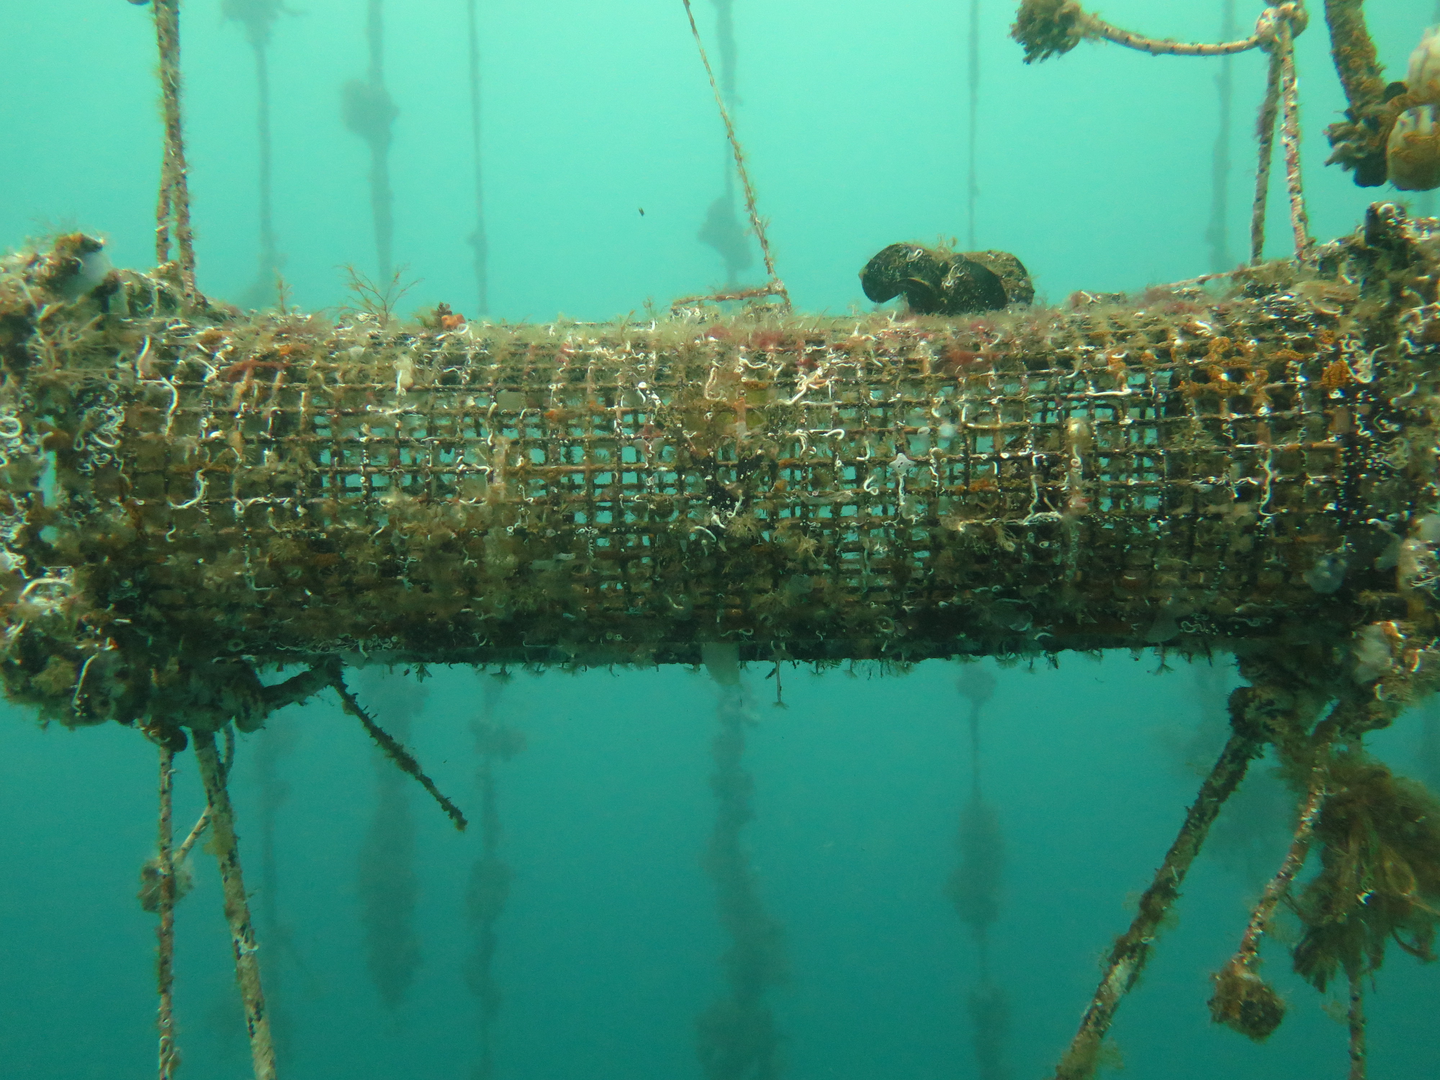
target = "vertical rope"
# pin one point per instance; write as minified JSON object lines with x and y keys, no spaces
{"x":237,"y":906}
{"x":1265,"y":137}
{"x":386,"y":882}
{"x":1290,"y":137}
{"x":478,"y":240}
{"x":972,"y":190}
{"x":271,"y":748}
{"x":173,"y":206}
{"x":722,"y":230}
{"x":165,"y":908}
{"x":1275,"y":32}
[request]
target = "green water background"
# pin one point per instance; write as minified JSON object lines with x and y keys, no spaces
{"x":1094,"y":169}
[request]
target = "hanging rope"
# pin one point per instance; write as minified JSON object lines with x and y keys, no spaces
{"x":165,"y":908}
{"x":774,"y":287}
{"x":1243,"y":1000}
{"x":1278,"y":28}
{"x":173,"y":206}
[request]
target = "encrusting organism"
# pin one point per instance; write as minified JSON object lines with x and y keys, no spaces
{"x":1412,"y":150}
{"x":1379,"y":881}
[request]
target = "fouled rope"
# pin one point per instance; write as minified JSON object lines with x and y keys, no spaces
{"x":1243,"y":999}
{"x":1279,"y":27}
{"x":773,"y":287}
{"x":1047,"y":28}
{"x":1132,"y":949}
{"x":165,"y":908}
{"x":237,"y":906}
{"x":395,"y":750}
{"x":173,"y":206}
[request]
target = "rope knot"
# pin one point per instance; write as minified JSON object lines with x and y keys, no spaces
{"x":1267,"y":26}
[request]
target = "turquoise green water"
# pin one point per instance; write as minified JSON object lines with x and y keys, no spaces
{"x":1094,"y":169}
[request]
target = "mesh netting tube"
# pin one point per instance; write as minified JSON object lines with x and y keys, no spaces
{"x":1175,"y":469}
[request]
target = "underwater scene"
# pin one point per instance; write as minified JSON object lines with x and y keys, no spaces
{"x":463,"y":490}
